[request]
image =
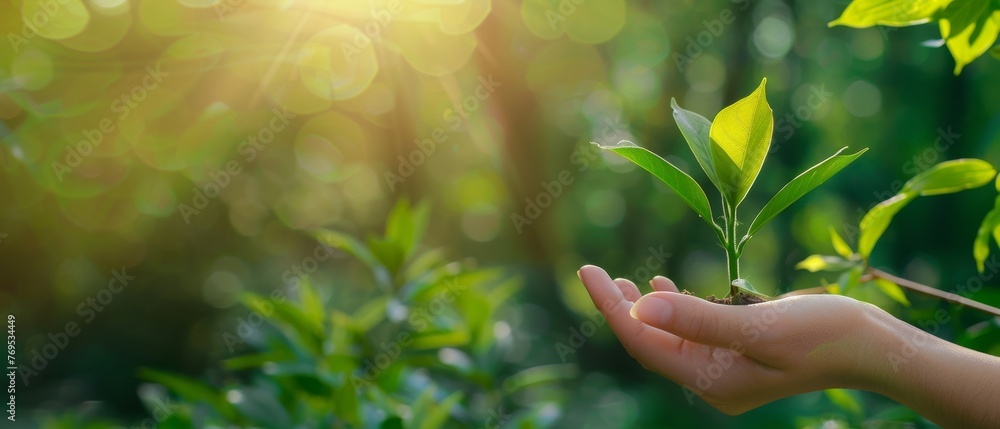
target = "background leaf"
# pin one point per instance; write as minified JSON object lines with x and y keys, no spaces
{"x":800,"y":185}
{"x":877,"y":220}
{"x":951,"y":176}
{"x":893,"y":290}
{"x":839,"y":245}
{"x":741,"y":135}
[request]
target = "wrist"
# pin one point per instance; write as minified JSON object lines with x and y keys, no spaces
{"x":893,"y":348}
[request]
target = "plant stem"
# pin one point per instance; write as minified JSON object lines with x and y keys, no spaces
{"x":928,"y":290}
{"x":732,"y":257}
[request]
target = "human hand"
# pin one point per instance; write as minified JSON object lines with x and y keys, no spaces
{"x":740,"y":357}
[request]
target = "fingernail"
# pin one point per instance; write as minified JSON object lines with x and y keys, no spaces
{"x":652,"y":310}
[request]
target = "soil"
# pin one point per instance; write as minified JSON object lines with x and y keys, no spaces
{"x":746,"y":299}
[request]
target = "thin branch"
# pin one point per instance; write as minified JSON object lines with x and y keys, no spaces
{"x":931,"y":291}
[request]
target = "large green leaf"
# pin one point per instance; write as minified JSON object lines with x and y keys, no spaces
{"x":679,"y":181}
{"x":951,"y":176}
{"x":800,"y":185}
{"x":897,"y":13}
{"x":877,"y":220}
{"x":695,"y":129}
{"x":969,"y":28}
{"x":740,"y":138}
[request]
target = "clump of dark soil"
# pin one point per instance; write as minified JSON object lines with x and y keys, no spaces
{"x":741,"y":299}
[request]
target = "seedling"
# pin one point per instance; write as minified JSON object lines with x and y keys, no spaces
{"x":731,"y":151}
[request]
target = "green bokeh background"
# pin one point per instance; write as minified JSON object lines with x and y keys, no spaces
{"x":567,"y":74}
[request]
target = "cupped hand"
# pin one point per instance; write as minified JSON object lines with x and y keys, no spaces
{"x":740,"y":357}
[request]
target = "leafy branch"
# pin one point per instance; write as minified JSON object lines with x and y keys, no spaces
{"x":969,"y":28}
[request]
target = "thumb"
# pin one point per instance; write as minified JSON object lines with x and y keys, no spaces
{"x":693,"y":318}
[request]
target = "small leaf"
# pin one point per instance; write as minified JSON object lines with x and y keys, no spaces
{"x":741,"y":135}
{"x":440,"y":411}
{"x":893,"y":290}
{"x":311,"y":303}
{"x":190,"y":389}
{"x":990,"y":225}
{"x":816,"y":263}
{"x":685,"y":187}
{"x":877,"y":220}
{"x":969,"y":28}
{"x":539,"y":375}
{"x":800,"y":185}
{"x":896,"y":13}
{"x":839,"y":245}
{"x":846,"y":400}
{"x":695,"y":129}
{"x":951,"y":176}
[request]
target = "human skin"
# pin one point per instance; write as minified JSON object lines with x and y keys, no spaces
{"x":738,"y":358}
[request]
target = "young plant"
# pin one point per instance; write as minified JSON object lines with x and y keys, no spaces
{"x":731,"y":151}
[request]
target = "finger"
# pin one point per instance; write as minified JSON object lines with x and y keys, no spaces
{"x":695,"y":319}
{"x":663,"y":284}
{"x":653,"y":347}
{"x":628,"y":289}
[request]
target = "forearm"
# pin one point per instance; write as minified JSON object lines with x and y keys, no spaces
{"x":950,"y":385}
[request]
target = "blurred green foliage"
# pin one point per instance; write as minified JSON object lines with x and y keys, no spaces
{"x":160,"y":195}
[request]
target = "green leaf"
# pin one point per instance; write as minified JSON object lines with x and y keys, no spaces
{"x":990,"y":225}
{"x":969,"y":28}
{"x":539,"y":375}
{"x":440,"y":411}
{"x":695,"y":129}
{"x":741,"y":135}
{"x":951,"y":176}
{"x":839,"y":245}
{"x":846,"y":400}
{"x":816,"y":263}
{"x":896,"y":13}
{"x":311,"y":303}
{"x":893,"y":290}
{"x":190,"y":389}
{"x":339,"y":240}
{"x":685,"y":187}
{"x":406,"y":225}
{"x":877,"y":220}
{"x":800,"y":185}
